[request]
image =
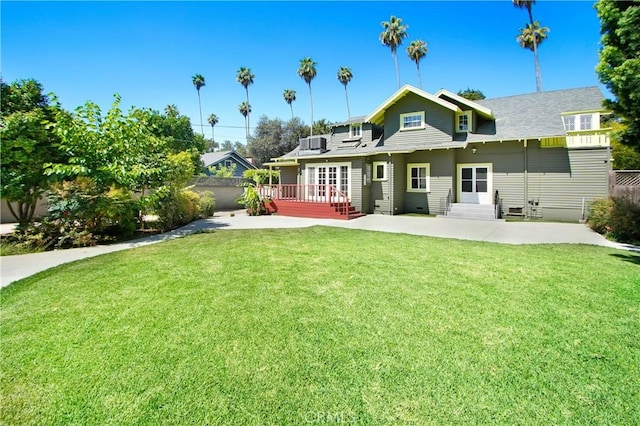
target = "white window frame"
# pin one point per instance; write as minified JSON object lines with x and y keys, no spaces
{"x":352,"y":130}
{"x":412,"y":114}
{"x":311,"y":170}
{"x":586,"y":119}
{"x":228,"y":163}
{"x":569,"y":121}
{"x":469,"y":117}
{"x":427,"y":167}
{"x":374,"y":175}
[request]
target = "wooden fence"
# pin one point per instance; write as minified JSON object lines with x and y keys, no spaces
{"x":625,"y":184}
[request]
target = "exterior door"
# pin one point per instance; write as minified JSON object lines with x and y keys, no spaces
{"x":475,"y":182}
{"x":320,"y":177}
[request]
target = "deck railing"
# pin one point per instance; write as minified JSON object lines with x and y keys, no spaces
{"x":321,"y":194}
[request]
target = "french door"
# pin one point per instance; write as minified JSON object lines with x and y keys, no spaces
{"x":320,"y":177}
{"x":475,"y":182}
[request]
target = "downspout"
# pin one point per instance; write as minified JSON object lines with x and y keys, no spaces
{"x":526,"y":178}
{"x":390,"y":185}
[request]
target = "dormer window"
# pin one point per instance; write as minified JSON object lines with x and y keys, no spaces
{"x":569,"y":123}
{"x":412,"y":120}
{"x":463,"y":122}
{"x":355,"y":130}
{"x":585,"y":122}
{"x":577,"y":122}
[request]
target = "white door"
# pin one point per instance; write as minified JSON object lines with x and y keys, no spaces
{"x":475,"y":183}
{"x":323,"y":176}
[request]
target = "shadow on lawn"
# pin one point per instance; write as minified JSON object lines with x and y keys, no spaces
{"x":632,"y":258}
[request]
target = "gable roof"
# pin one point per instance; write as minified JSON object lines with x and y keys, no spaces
{"x":212,"y":158}
{"x":534,"y":115}
{"x":377,"y":116}
{"x":482,"y":110}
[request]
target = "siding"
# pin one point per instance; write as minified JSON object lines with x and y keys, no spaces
{"x":439,"y":121}
{"x":381,"y":194}
{"x":289,"y":175}
{"x":340,"y":133}
{"x":442,"y":169}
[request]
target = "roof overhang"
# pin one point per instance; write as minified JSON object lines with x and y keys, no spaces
{"x":281,"y":164}
{"x":377,"y":116}
{"x":482,"y":110}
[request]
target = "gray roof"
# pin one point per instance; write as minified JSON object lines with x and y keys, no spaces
{"x":534,"y":114}
{"x":358,"y":119}
{"x":210,"y":158}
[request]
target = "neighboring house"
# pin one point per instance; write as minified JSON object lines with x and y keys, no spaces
{"x":226,"y":159}
{"x":537,"y":155}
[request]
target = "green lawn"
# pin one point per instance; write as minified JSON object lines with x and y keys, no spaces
{"x":325,"y":326}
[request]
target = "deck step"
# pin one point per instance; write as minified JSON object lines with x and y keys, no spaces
{"x":314,"y":210}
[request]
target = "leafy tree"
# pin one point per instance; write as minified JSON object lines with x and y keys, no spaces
{"x":226,"y":146}
{"x":307,"y":71}
{"x":223,"y":171}
{"x":274,"y":138}
{"x":199,"y":82}
{"x":533,"y":41}
{"x":344,"y":76}
{"x":171,"y":111}
{"x":472,"y":94}
{"x":245,"y":77}
{"x":240,"y":148}
{"x":245,"y":110}
{"x":176,"y":131}
{"x":417,"y":50}
{"x":625,"y":157}
{"x":28,"y":143}
{"x":392,"y":36}
{"x":289,"y":96}
{"x":322,"y":127}
{"x":213,"y":120}
{"x":619,"y":66}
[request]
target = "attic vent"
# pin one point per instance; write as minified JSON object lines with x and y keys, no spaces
{"x":315,"y":143}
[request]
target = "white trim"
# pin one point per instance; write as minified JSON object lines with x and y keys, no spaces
{"x":489,"y":167}
{"x":337,"y":165}
{"x":412,"y":114}
{"x":426,"y":166}
{"x":471,"y":104}
{"x":469,"y":115}
{"x":384,"y":171}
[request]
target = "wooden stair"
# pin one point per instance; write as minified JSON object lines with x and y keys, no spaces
{"x":312,"y":209}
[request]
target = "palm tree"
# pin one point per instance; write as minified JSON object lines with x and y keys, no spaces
{"x":245,"y":110}
{"x":417,"y":50}
{"x":308,"y":71}
{"x":289,"y":96}
{"x":532,"y":36}
{"x":245,"y":78}
{"x":198,"y":81}
{"x":528,"y":4}
{"x":213,"y":120}
{"x":392,"y":36}
{"x":345,"y":75}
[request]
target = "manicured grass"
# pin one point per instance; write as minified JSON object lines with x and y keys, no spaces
{"x":326,"y":325}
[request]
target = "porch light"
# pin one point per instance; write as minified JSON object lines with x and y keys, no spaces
{"x":474,"y":150}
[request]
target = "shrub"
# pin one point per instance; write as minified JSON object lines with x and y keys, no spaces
{"x":600,"y":215}
{"x":261,"y":176}
{"x":177,"y":208}
{"x":616,"y":218}
{"x":207,"y":203}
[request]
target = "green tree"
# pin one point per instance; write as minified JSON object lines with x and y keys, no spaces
{"x":392,"y":36}
{"x":245,"y":110}
{"x":28,"y":143}
{"x":199,"y":83}
{"x":533,"y":46}
{"x":344,"y":76}
{"x":471,"y":94}
{"x":307,"y":71}
{"x":213,"y":120}
{"x":532,"y":36}
{"x":171,"y":111}
{"x":274,"y":138}
{"x":322,"y":127}
{"x":289,"y":96}
{"x":245,"y":77}
{"x":417,"y":50}
{"x":619,"y":65}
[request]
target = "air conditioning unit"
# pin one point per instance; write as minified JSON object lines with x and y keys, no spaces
{"x":313,"y":143}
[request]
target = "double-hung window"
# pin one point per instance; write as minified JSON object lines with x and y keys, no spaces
{"x":463,"y":124}
{"x":585,"y":122}
{"x":412,"y":120}
{"x":355,"y":130}
{"x":418,"y":177}
{"x":379,"y":170}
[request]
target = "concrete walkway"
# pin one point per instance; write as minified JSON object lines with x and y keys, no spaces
{"x":17,"y":267}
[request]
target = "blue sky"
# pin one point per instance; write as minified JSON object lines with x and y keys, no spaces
{"x":148,"y":51}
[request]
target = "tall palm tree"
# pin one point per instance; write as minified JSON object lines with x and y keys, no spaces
{"x":417,"y":50}
{"x":308,"y":72}
{"x":528,"y":4}
{"x":245,"y":110}
{"x":213,"y":120}
{"x":245,"y":77}
{"x":289,"y":96}
{"x":392,"y":36}
{"x":531,"y":37}
{"x":344,"y":76}
{"x":198,"y":82}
